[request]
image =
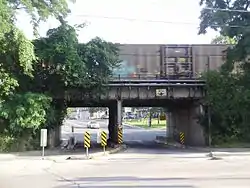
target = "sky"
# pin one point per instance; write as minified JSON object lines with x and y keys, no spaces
{"x":132,"y":21}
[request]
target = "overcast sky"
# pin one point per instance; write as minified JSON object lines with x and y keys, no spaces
{"x":133,"y":21}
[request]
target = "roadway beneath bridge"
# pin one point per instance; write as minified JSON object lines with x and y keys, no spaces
{"x":182,"y":98}
{"x":133,"y":136}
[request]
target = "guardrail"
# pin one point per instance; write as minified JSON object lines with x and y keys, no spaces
{"x":140,"y":76}
{"x":166,"y":83}
{"x":156,"y":85}
{"x":180,"y":81}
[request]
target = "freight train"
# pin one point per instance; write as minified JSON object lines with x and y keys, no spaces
{"x":148,"y":61}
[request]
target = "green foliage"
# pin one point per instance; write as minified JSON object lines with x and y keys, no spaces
{"x":40,"y":10}
{"x":69,"y":111}
{"x":65,"y":63}
{"x":24,"y":111}
{"x":101,"y":58}
{"x":228,"y":90}
{"x":55,"y":114}
{"x":223,"y":40}
{"x":59,"y":63}
{"x":17,"y":54}
{"x":224,"y":21}
{"x":6,"y":142}
{"x":33,"y":74}
{"x":229,"y":104}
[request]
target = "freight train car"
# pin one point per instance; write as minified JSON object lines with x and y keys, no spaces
{"x":149,"y":61}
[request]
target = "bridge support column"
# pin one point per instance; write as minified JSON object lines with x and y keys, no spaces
{"x":187,"y":122}
{"x":119,"y":113}
{"x":170,"y":125}
{"x":115,"y":120}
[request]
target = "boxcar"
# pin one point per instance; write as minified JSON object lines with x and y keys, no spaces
{"x":148,"y":61}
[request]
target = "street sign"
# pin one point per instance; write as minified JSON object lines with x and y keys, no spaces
{"x":120,"y":135}
{"x":103,"y":139}
{"x":161,"y":92}
{"x":87,"y":143}
{"x":43,"y":138}
{"x":86,"y":140}
{"x":182,"y":138}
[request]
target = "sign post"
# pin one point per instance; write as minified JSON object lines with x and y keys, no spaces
{"x":87,"y":143}
{"x":104,"y":140}
{"x":43,"y":140}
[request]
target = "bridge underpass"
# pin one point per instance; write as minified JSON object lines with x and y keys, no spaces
{"x":181,"y":98}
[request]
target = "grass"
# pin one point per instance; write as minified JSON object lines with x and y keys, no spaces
{"x":233,"y":145}
{"x":144,"y":123}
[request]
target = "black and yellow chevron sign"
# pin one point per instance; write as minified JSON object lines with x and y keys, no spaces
{"x":120,"y":136}
{"x":182,"y":138}
{"x":86,"y":140}
{"x":103,"y":138}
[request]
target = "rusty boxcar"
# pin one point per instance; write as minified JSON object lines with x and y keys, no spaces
{"x":167,"y":61}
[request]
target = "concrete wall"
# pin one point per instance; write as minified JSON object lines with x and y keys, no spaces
{"x":186,"y":120}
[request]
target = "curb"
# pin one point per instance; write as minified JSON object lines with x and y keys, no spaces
{"x":63,"y":157}
{"x":171,"y":145}
{"x":213,"y":153}
{"x":84,"y":157}
{"x":133,"y":126}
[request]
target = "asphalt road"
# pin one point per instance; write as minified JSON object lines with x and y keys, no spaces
{"x":131,"y":135}
{"x":138,"y":168}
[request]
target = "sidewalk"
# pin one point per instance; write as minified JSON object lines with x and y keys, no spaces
{"x":59,"y":155}
{"x":215,"y":151}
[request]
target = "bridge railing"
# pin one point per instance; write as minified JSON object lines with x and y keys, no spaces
{"x":140,"y":76}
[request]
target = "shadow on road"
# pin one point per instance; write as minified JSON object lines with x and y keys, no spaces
{"x":122,"y":186}
{"x":89,"y":181}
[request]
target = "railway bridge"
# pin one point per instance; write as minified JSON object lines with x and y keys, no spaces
{"x":181,"y":97}
{"x":158,"y":75}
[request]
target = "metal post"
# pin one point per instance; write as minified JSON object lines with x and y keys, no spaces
{"x":87,"y":153}
{"x":43,"y":151}
{"x":209,"y":127}
{"x":104,"y":150}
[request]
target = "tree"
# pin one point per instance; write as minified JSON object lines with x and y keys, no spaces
{"x":22,"y":110}
{"x":223,"y":40}
{"x":64,"y":64}
{"x":34,"y":73}
{"x":228,"y":92}
{"x":17,"y":53}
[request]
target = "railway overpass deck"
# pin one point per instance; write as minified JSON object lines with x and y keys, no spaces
{"x":138,"y":92}
{"x":181,"y":98}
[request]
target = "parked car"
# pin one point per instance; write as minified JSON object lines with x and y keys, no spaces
{"x":93,"y":125}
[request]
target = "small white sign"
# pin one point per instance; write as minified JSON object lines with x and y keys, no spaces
{"x":98,"y":139}
{"x":161,"y":92}
{"x":43,"y":138}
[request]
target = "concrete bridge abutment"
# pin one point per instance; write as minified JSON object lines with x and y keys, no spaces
{"x":185,"y":120}
{"x":115,"y":121}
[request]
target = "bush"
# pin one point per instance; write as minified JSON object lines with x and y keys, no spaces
{"x":6,"y":143}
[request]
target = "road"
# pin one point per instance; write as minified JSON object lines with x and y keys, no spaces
{"x":142,"y":168}
{"x":131,"y":134}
